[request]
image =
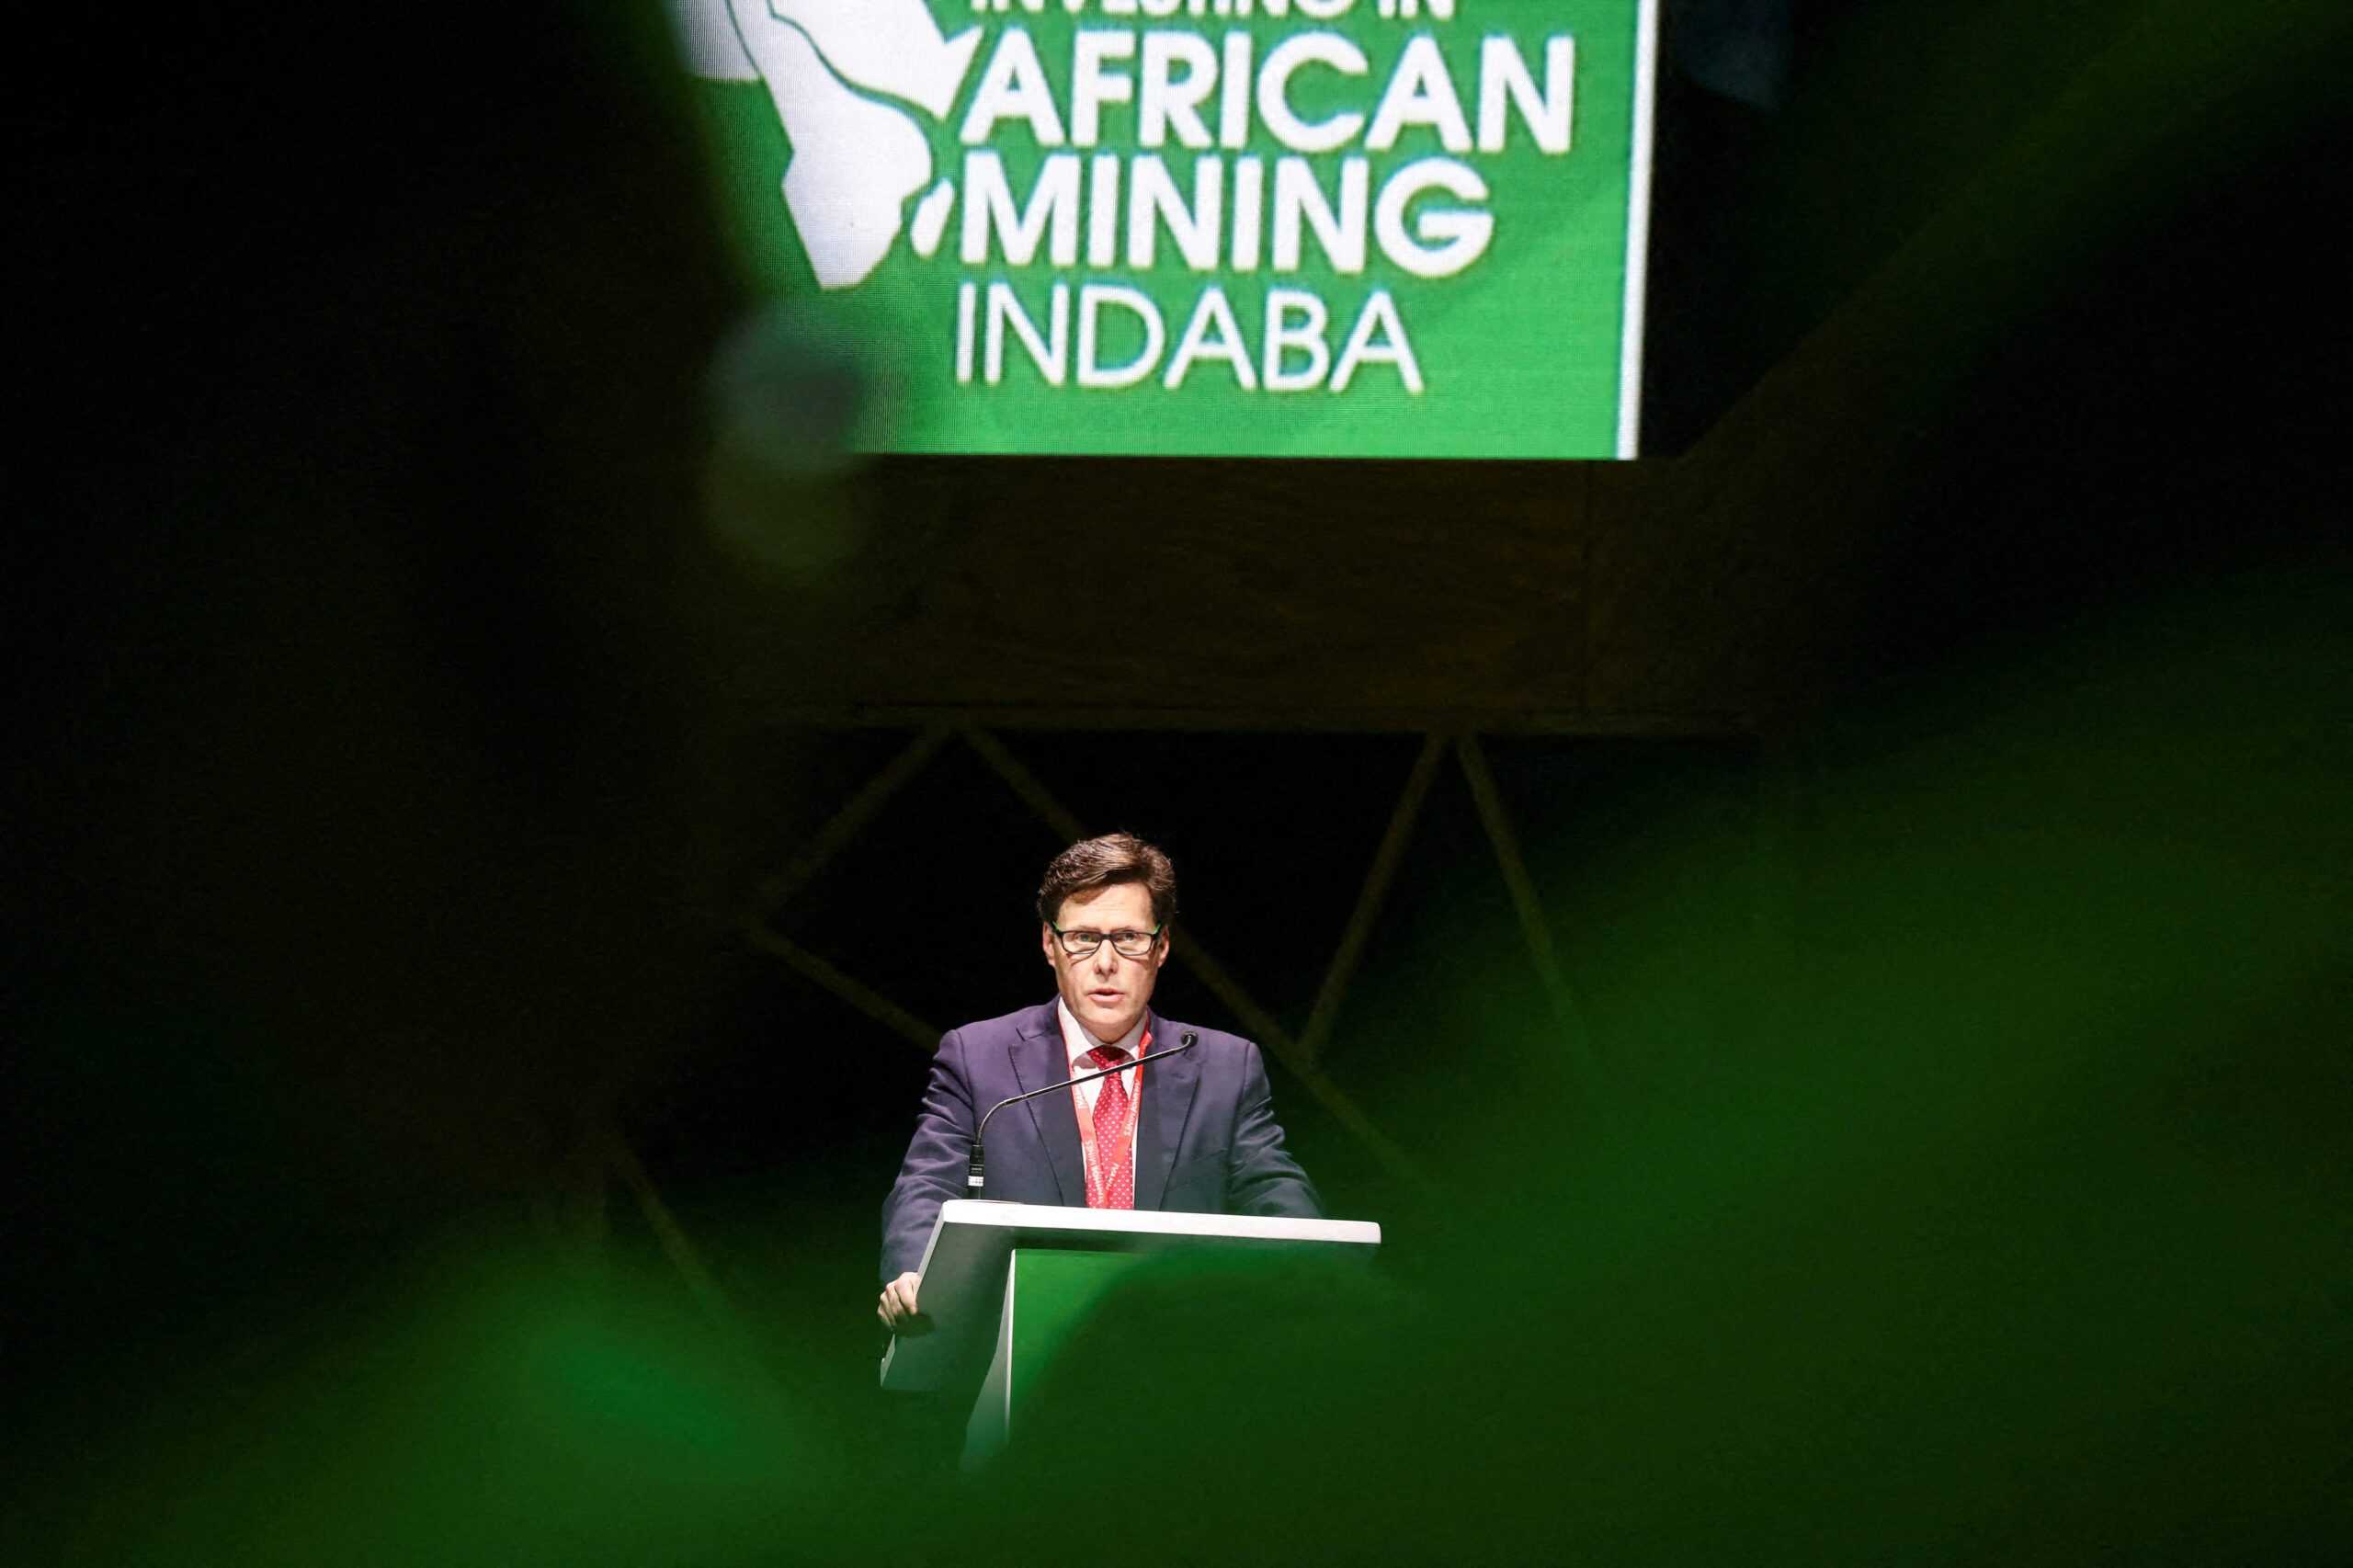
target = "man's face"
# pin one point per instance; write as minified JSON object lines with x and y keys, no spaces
{"x":1105,"y":992}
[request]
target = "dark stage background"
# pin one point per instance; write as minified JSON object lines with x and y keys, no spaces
{"x":1929,"y":770}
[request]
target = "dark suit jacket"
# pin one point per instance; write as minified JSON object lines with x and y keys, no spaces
{"x":1206,"y":1137}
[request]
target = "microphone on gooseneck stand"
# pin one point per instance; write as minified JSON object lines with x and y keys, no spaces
{"x":973,"y":1174}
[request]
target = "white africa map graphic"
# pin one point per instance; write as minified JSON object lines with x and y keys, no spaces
{"x":856,"y":157}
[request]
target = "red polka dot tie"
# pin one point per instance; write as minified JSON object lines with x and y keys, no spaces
{"x":1114,"y":1136}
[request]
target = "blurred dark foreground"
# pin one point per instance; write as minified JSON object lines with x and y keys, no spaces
{"x":1991,"y":1208}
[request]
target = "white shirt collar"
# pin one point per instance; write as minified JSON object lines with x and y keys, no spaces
{"x":1078,"y":1043}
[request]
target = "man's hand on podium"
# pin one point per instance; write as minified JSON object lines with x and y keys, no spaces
{"x":898,"y":1309}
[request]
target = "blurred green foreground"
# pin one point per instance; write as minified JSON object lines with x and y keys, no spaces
{"x":1987,"y":1199}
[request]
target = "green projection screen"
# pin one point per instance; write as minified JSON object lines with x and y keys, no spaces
{"x":1298,"y":228}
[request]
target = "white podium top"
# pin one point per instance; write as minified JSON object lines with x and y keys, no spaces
{"x":964,"y":1265}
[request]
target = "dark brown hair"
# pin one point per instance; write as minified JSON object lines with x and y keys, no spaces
{"x":1092,"y":863}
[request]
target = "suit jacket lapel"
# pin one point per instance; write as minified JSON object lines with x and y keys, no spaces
{"x":1038,"y":1059}
{"x":1160,"y":1119}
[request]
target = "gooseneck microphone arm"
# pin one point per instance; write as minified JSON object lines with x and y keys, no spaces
{"x":973,"y":1176}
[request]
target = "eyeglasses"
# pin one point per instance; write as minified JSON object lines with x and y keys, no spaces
{"x":1127,"y":944}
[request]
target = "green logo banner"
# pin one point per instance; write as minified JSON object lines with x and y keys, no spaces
{"x":1304,"y":228}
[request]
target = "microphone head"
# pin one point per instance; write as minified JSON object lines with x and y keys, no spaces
{"x":1187,"y":1040}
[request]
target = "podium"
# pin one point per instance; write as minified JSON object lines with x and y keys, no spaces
{"x":1007,"y":1282}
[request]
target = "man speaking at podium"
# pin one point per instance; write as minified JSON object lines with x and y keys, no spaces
{"x":1194,"y":1131}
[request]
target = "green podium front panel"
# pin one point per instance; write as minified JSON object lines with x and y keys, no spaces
{"x":1049,"y":1292}
{"x":1016,"y":1283}
{"x":1053,"y":1293}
